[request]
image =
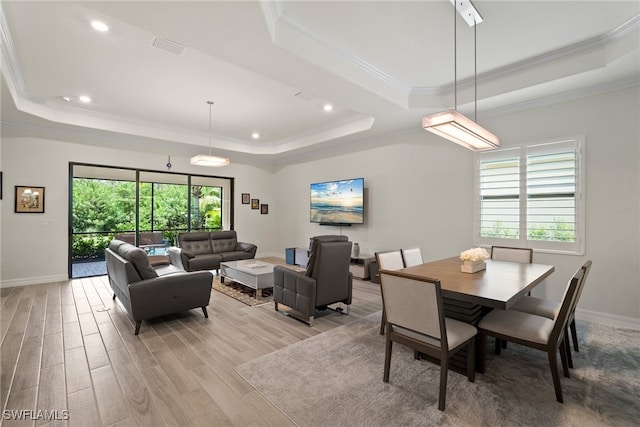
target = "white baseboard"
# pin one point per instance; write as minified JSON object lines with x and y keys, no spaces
{"x":608,"y":319}
{"x":26,"y":281}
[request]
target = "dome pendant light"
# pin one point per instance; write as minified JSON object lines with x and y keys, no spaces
{"x":208,"y":159}
{"x":451,"y":124}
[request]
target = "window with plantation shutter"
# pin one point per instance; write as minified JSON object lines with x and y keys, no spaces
{"x":532,"y":197}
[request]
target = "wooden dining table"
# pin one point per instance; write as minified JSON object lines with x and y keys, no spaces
{"x":469,"y":296}
{"x":500,"y":285}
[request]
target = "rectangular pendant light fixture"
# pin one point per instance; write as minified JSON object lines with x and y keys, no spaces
{"x":208,"y":159}
{"x":455,"y":127}
{"x":451,"y":124}
{"x":211,"y":161}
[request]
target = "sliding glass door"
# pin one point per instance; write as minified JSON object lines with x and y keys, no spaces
{"x":145,"y":208}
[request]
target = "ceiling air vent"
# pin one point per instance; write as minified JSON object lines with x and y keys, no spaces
{"x":305,"y":96}
{"x":168,"y":45}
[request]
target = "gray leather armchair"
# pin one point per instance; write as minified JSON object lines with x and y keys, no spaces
{"x":327,"y":279}
{"x":147,"y":292}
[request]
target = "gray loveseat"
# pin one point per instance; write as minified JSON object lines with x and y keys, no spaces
{"x":202,"y":250}
{"x":148,"y":292}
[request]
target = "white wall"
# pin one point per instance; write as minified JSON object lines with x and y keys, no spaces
{"x":35,"y":245}
{"x":610,"y":123}
{"x":419,"y":192}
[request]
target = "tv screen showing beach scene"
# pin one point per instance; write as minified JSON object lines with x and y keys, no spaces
{"x":338,"y":202}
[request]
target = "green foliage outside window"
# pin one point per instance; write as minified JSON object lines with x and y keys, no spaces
{"x":103,"y":208}
{"x":559,"y":231}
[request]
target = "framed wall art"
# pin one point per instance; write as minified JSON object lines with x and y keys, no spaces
{"x":245,"y":198}
{"x":255,"y":203}
{"x":264,"y":209}
{"x":29,"y":199}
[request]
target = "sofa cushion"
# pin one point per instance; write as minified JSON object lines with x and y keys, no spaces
{"x":139,"y":259}
{"x":223,"y":241}
{"x":196,"y":243}
{"x":236,"y":255}
{"x":205,"y":262}
{"x":223,"y":245}
{"x":115,"y":244}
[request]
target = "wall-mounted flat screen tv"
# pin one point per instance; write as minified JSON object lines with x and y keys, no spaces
{"x":338,"y":202}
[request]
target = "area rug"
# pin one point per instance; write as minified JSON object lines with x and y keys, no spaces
{"x":335,"y":378}
{"x":242,"y":293}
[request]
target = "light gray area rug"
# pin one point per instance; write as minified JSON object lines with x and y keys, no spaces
{"x":335,"y":378}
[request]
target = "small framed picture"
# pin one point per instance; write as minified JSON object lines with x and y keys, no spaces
{"x":264,"y":209}
{"x":255,"y":203}
{"x":29,"y":199}
{"x":245,"y":198}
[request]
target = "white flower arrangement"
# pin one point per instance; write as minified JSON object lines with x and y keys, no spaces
{"x":474,"y":255}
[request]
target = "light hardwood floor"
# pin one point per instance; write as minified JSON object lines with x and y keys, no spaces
{"x":68,"y":346}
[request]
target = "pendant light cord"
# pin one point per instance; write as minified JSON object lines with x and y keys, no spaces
{"x":210,"y":104}
{"x":455,"y":57}
{"x":475,"y":72}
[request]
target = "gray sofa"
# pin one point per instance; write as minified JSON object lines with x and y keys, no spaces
{"x":327,"y":279}
{"x":147,"y":292}
{"x":202,"y":250}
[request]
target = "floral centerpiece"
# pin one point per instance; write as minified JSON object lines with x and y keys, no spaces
{"x":473,"y":260}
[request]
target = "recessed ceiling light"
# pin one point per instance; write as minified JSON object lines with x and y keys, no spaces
{"x":99,"y":26}
{"x":84,"y":98}
{"x":255,"y":135}
{"x":327,"y":107}
{"x":66,"y":98}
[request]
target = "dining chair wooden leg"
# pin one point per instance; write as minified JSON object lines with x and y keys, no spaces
{"x":387,"y":360}
{"x":574,"y":335}
{"x":444,"y":370}
{"x":471,"y":360}
{"x":567,"y":347}
{"x":383,"y":321}
{"x":553,"y":364}
{"x":498,"y":347}
{"x":482,"y":355}
{"x":563,"y":359}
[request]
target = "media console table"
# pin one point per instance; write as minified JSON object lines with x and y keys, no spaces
{"x":360,"y":266}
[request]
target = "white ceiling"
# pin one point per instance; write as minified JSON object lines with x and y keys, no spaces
{"x":382,"y":64}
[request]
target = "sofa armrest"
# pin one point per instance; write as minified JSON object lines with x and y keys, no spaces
{"x":247,"y":247}
{"x":177,"y":257}
{"x":170,"y":294}
{"x":295,"y":290}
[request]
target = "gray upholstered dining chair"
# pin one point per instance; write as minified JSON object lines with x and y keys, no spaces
{"x":388,"y":260}
{"x":550,"y":309}
{"x":510,"y":254}
{"x":506,"y":253}
{"x":533,"y":331}
{"x":412,"y":257}
{"x":415,"y":318}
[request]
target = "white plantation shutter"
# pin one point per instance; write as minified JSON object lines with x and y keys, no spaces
{"x":500,"y":195}
{"x":531,"y":197}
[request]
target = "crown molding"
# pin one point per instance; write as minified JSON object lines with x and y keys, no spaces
{"x":584,"y":47}
{"x":11,"y":66}
{"x":562,"y":97}
{"x":282,"y":25}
